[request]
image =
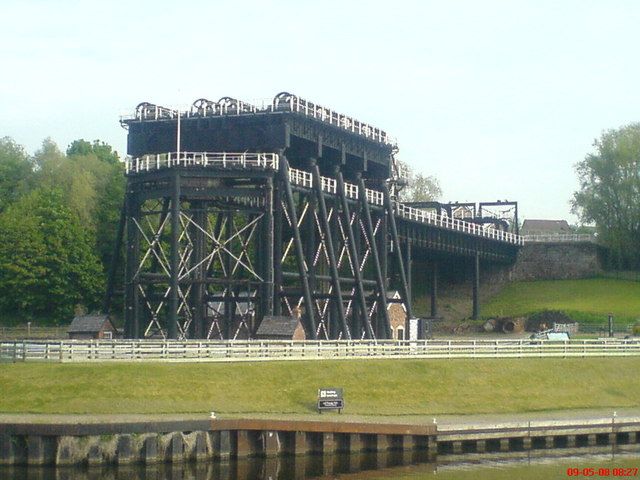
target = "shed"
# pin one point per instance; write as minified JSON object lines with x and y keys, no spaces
{"x":397,"y":316}
{"x":280,"y":328}
{"x":95,"y":326}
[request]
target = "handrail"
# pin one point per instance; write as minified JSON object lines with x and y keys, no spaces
{"x":201,"y":159}
{"x":304,"y":179}
{"x":283,"y":102}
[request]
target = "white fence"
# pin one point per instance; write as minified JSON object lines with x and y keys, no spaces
{"x":563,"y":238}
{"x":225,"y":351}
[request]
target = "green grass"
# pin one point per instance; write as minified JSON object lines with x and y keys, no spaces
{"x":583,"y":300}
{"x":372,"y":387}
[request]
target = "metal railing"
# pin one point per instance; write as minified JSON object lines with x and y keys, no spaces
{"x":430,"y":218}
{"x":565,"y":237}
{"x":292,"y":103}
{"x":222,"y":351}
{"x":304,"y":179}
{"x":283,"y":102}
{"x":201,"y":159}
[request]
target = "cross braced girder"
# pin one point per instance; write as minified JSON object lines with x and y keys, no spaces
{"x":219,"y":250}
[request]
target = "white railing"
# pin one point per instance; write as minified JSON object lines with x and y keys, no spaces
{"x":329,"y":185}
{"x":374,"y":196}
{"x":224,"y":351}
{"x":304,"y":179}
{"x":301,"y":178}
{"x":201,"y":159}
{"x":565,"y":237}
{"x":282,"y":102}
{"x":351,"y":190}
{"x":288,"y":102}
{"x":442,"y":221}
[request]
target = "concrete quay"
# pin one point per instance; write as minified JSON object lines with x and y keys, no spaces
{"x":152,"y":441}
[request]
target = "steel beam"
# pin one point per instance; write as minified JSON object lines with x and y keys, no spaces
{"x":379,"y":272}
{"x":396,"y":243}
{"x":302,"y":268}
{"x":434,"y":289}
{"x":268,"y":249}
{"x":354,"y":257}
{"x":172,"y":320}
{"x":476,"y":287}
{"x":115,"y":259}
{"x":131,"y":301}
{"x":333,"y":265}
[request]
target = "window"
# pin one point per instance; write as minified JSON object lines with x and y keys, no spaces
{"x":107,"y":335}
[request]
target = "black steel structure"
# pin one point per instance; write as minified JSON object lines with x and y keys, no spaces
{"x":234,"y":212}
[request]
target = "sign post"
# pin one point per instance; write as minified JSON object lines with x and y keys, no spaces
{"x":330,"y":399}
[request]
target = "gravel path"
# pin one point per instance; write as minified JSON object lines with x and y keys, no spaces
{"x":449,"y":420}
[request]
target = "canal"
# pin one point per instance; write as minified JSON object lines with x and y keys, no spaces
{"x":599,"y":462}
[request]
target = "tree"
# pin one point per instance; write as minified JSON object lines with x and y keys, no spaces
{"x":15,"y":171}
{"x":609,"y":194}
{"x":419,"y":188}
{"x":47,"y":263}
{"x":102,"y":150}
{"x":92,"y":179}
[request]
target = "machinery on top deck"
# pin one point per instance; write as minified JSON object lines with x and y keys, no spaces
{"x":304,"y":128}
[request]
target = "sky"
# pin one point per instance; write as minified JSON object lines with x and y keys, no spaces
{"x":496,"y":99}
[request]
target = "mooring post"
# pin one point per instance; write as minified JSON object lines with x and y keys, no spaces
{"x":476,"y":287}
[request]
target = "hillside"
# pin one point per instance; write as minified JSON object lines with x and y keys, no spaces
{"x":589,"y":300}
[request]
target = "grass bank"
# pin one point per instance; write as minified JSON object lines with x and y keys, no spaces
{"x":372,"y":387}
{"x":587,"y":300}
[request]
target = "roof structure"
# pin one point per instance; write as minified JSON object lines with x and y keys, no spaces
{"x":537,"y":227}
{"x":277,"y":326}
{"x":89,"y":323}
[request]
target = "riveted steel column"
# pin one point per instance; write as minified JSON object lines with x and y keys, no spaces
{"x":434,"y":289}
{"x":268,"y":249}
{"x":409,"y":266}
{"x":277,"y":247}
{"x":380,"y":280}
{"x":229,"y":306}
{"x":476,"y":287}
{"x":199,"y":218}
{"x":115,"y":259}
{"x":172,"y":320}
{"x":333,"y":265}
{"x":396,"y":243}
{"x":302,"y":270}
{"x":355,"y":258}
{"x":132,"y":301}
